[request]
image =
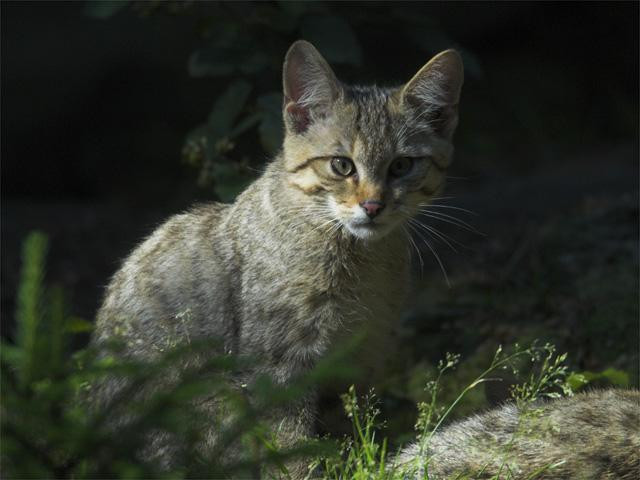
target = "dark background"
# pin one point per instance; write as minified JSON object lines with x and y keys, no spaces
{"x":95,"y":113}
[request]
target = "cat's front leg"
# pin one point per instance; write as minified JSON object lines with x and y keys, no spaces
{"x":292,"y":425}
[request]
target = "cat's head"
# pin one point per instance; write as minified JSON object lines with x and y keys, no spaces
{"x":368,"y":157}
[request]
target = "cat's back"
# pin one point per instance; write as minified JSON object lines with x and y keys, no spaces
{"x":593,"y":435}
{"x":167,"y":275}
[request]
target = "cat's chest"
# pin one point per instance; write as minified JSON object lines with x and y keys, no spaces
{"x":298,"y":302}
{"x":329,"y":280}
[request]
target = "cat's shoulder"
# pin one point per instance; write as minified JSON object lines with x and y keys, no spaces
{"x":199,"y":224}
{"x":211,"y":212}
{"x":198,"y":216}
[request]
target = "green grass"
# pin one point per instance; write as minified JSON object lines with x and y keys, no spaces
{"x":365,"y":454}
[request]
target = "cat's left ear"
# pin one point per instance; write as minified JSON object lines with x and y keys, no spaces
{"x":434,"y":92}
{"x":310,"y":86}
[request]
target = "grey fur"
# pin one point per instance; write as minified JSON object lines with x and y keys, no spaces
{"x":591,"y":436}
{"x":277,"y":275}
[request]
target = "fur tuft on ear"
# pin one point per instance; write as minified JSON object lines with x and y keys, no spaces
{"x":434,"y":92}
{"x":310,"y":86}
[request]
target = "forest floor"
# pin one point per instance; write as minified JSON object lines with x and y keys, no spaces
{"x":557,"y":261}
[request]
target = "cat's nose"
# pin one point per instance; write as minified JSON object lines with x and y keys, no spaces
{"x":372,"y":207}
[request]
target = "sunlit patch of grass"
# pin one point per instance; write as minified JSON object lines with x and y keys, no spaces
{"x":365,"y":454}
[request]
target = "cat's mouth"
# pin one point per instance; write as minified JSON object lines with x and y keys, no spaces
{"x":357,"y":223}
{"x":367,"y":229}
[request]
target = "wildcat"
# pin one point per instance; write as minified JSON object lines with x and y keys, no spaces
{"x":591,"y":436}
{"x":314,"y":250}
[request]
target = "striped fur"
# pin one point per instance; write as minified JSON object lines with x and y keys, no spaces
{"x":591,"y":436}
{"x":280,"y":275}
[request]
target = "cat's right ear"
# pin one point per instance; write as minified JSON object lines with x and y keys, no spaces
{"x":434,"y":92}
{"x":310,"y":86}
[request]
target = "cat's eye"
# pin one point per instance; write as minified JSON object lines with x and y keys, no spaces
{"x":400,"y":166}
{"x":342,"y":166}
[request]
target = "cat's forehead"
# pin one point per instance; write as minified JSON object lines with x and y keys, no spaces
{"x":370,"y":110}
{"x":368,"y":125}
{"x":374,"y":120}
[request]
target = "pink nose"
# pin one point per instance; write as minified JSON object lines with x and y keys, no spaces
{"x":372,"y":207}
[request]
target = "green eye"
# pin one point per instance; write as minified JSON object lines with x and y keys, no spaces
{"x":342,"y":166}
{"x":400,"y":166}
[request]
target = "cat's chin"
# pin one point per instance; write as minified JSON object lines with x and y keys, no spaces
{"x":367,"y":231}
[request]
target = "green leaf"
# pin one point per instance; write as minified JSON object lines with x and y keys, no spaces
{"x":104,"y":9}
{"x":611,"y":375}
{"x":616,"y":377}
{"x":78,"y":325}
{"x":227,"y":108}
{"x":229,"y":181}
{"x":254,"y":62}
{"x":194,"y":148}
{"x":245,"y":124}
{"x":271,"y":127}
{"x":56,"y":331}
{"x":333,"y":37}
{"x":11,"y":354}
{"x":30,"y":298}
{"x":210,"y":63}
{"x":229,"y":53}
{"x":576,"y":381}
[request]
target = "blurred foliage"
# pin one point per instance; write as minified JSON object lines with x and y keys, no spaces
{"x":243,"y":44}
{"x":49,"y":430}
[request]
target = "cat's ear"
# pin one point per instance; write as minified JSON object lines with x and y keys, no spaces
{"x":434,"y":92}
{"x":310,"y":86}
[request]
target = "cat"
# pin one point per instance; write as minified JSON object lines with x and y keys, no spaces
{"x":313,"y":250}
{"x":591,"y":436}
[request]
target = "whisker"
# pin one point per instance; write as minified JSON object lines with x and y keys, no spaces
{"x":437,"y":205}
{"x":437,"y":257}
{"x":451,"y":239}
{"x":254,"y":169}
{"x":438,"y":198}
{"x":335,"y":230}
{"x":309,"y":214}
{"x":325,"y":224}
{"x":417,"y":251}
{"x":435,"y":232}
{"x":304,"y":220}
{"x":443,"y":217}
